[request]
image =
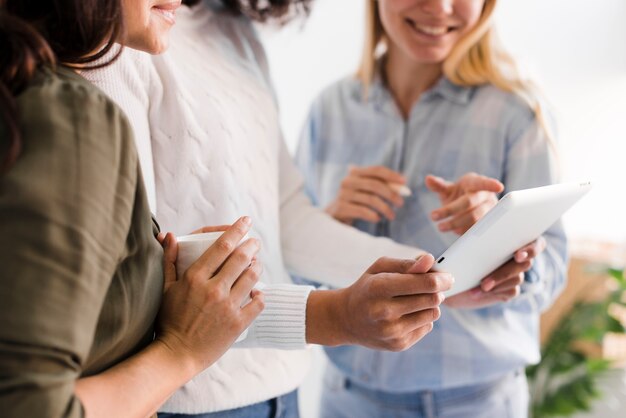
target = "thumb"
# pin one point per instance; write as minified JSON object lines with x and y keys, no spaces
{"x":437,"y":184}
{"x":422,"y":265}
{"x":170,"y":253}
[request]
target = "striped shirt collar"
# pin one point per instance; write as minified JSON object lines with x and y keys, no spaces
{"x":380,"y":96}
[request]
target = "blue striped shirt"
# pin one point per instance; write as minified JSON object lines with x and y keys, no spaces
{"x":450,"y":131}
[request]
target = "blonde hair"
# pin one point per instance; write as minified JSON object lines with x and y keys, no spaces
{"x":477,"y":59}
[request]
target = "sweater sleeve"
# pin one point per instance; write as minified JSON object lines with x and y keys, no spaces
{"x":318,"y":247}
{"x":65,"y":210}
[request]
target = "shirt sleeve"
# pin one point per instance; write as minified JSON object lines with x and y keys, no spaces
{"x":65,"y":210}
{"x":532,"y":161}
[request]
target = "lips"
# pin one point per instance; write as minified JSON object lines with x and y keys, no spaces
{"x":431,"y":30}
{"x":167,"y":10}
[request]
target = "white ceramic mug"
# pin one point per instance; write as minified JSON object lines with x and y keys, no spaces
{"x":191,"y":247}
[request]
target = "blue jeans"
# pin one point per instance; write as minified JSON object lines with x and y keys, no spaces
{"x":285,"y":406}
{"x":504,"y":398}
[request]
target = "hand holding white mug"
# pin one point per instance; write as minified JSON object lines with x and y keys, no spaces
{"x":202,"y":314}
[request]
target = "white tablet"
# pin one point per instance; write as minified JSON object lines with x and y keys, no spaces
{"x":519,"y":218}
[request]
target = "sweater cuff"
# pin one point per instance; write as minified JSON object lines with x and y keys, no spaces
{"x":282,"y":322}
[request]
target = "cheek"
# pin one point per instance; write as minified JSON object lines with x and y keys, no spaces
{"x":470,"y":12}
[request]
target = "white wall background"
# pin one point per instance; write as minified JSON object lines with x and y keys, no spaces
{"x":574,"y":49}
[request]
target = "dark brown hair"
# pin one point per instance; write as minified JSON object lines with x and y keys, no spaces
{"x":33,"y":34}
{"x":263,"y":11}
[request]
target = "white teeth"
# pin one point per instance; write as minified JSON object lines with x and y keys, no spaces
{"x":167,"y":14}
{"x":432,"y":30}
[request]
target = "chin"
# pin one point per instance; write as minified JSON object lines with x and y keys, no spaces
{"x":155,"y":46}
{"x":436,"y":56}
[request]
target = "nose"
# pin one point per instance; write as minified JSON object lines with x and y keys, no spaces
{"x":438,"y":7}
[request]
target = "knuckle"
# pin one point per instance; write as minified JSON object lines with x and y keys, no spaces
{"x":399,"y":344}
{"x":436,"y":313}
{"x":213,"y":294}
{"x":240,"y":229}
{"x":384,"y":312}
{"x":437,"y":299}
{"x":431,"y":282}
{"x":224,"y":245}
{"x":192,"y":275}
{"x":240,"y":256}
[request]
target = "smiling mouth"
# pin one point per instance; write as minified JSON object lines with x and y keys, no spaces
{"x":430,"y":30}
{"x":167,"y":11}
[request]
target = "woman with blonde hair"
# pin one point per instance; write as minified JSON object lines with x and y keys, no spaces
{"x":435,"y":100}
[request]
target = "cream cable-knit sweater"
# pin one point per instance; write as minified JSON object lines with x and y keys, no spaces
{"x":208,"y":134}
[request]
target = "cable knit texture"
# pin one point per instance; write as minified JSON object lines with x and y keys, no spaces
{"x":205,"y":120}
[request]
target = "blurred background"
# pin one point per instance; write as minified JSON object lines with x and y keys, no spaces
{"x":576,"y":52}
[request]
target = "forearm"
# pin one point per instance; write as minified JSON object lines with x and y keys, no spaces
{"x":319,"y":248}
{"x":137,"y":386}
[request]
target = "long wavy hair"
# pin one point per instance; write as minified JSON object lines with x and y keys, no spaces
{"x":33,"y":34}
{"x":477,"y":59}
{"x":264,"y":10}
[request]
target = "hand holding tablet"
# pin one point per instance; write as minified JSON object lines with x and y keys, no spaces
{"x":518,"y":219}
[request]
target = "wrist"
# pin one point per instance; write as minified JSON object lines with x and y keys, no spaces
{"x":173,"y":349}
{"x":326,"y":319}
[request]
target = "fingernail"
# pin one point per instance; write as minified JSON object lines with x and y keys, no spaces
{"x":523,"y":255}
{"x":246,"y":220}
{"x":435,"y":216}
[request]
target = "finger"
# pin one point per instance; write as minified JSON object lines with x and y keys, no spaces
{"x":503,"y":295}
{"x":378,"y":172}
{"x":419,"y":319}
{"x":403,"y":305}
{"x":464,"y":221}
{"x":161,"y":238}
{"x":351,"y":211}
{"x":508,"y":284}
{"x":418,"y":334}
{"x":237,"y":263}
{"x":374,"y":202}
{"x":437,"y":184}
{"x":460,"y":205}
{"x":508,"y":270}
{"x":252,"y":309}
{"x":473,"y":182}
{"x":170,"y":252}
{"x":211,"y":260}
{"x":373,"y":186}
{"x":245,"y":283}
{"x":531,"y":250}
{"x":214,"y":228}
{"x":398,"y":284}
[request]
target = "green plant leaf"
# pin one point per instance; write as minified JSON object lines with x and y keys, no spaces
{"x":618,"y":275}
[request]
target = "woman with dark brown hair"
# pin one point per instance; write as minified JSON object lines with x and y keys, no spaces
{"x":82,"y":274}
